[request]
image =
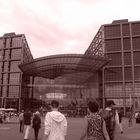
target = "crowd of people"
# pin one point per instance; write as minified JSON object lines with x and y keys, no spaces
{"x":54,"y":120}
{"x":99,"y":124}
{"x":5,"y":117}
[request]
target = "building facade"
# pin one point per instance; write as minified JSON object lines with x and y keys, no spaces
{"x":13,"y":51}
{"x":118,"y":80}
{"x":120,"y":41}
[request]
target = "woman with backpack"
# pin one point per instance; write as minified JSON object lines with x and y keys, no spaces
{"x":36,"y":124}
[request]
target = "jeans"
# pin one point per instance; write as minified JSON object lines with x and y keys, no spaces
{"x":21,"y":128}
{"x":27,"y":129}
{"x":36,"y":131}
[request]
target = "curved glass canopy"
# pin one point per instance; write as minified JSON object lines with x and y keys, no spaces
{"x":57,"y":65}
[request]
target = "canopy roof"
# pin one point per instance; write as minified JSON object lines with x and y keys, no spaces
{"x":57,"y":65}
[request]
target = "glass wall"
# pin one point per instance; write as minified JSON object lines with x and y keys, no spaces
{"x":14,"y":66}
{"x":113,"y":45}
{"x":113,"y":74}
{"x":17,"y":42}
{"x":14,"y":91}
{"x":114,"y":90}
{"x":16,"y":53}
{"x":78,"y":87}
{"x":112,"y":31}
{"x":116,"y":59}
{"x":125,"y":30}
{"x":14,"y":78}
{"x":121,"y":75}
{"x":11,"y":56}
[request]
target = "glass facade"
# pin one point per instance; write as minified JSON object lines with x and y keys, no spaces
{"x":121,"y":76}
{"x":118,"y":80}
{"x":78,"y":87}
{"x":11,"y":48}
{"x":122,"y":45}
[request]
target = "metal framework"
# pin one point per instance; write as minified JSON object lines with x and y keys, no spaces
{"x":96,"y":48}
{"x":57,"y":65}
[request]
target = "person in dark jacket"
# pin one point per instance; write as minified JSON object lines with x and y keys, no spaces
{"x":27,"y":117}
{"x":21,"y":121}
{"x":111,"y":118}
{"x":36,"y":124}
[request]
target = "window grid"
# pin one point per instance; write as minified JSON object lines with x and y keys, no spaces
{"x":14,"y":91}
{"x":137,"y":73}
{"x":14,"y":78}
{"x":15,"y":53}
{"x":17,"y":42}
{"x":136,"y":43}
{"x":125,"y":30}
{"x":112,"y":45}
{"x":8,"y":42}
{"x":14,"y":66}
{"x":136,"y":29}
{"x":127,"y":59}
{"x":113,"y":90}
{"x":116,"y":59}
{"x":136,"y":58}
{"x":126,"y":44}
{"x":112,"y":31}
{"x":113,"y":74}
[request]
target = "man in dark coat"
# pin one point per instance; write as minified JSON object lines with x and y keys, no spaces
{"x":36,"y":124}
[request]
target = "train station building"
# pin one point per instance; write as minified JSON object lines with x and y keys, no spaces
{"x":109,"y":69}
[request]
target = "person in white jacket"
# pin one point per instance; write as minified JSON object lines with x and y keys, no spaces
{"x":55,"y":124}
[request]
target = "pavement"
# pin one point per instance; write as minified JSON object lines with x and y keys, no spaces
{"x":10,"y":131}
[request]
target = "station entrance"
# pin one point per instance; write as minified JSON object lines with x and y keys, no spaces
{"x":71,"y":90}
{"x":72,"y":79}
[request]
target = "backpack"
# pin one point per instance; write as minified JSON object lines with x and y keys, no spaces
{"x":36,"y":122}
{"x":109,"y":117}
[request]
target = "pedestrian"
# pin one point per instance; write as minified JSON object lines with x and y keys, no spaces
{"x":7,"y":117}
{"x":36,"y":124}
{"x":111,"y":119}
{"x":137,"y":117}
{"x":21,"y":122}
{"x":130,"y":117}
{"x":4,"y":116}
{"x":120,"y":121}
{"x":27,"y":116}
{"x":94,"y":125}
{"x":55,"y":124}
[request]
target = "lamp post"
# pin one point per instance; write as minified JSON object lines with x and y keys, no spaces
{"x":40,"y":99}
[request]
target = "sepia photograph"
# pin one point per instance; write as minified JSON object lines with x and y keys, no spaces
{"x":69,"y":70}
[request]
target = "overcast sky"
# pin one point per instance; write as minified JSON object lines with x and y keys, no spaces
{"x":62,"y":26}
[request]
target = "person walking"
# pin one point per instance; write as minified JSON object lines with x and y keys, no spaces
{"x":21,"y":122}
{"x":111,"y":118}
{"x":94,"y":125}
{"x":27,"y":116}
{"x":120,"y":113}
{"x":36,"y":124}
{"x":130,"y":118}
{"x":55,"y":124}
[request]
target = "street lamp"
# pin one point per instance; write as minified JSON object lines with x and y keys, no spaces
{"x":40,"y":99}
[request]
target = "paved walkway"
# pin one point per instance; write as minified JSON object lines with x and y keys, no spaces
{"x":11,"y":131}
{"x":130,"y":133}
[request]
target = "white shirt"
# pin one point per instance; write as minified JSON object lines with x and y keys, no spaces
{"x":55,"y":126}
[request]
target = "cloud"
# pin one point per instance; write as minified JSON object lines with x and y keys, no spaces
{"x":62,"y":26}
